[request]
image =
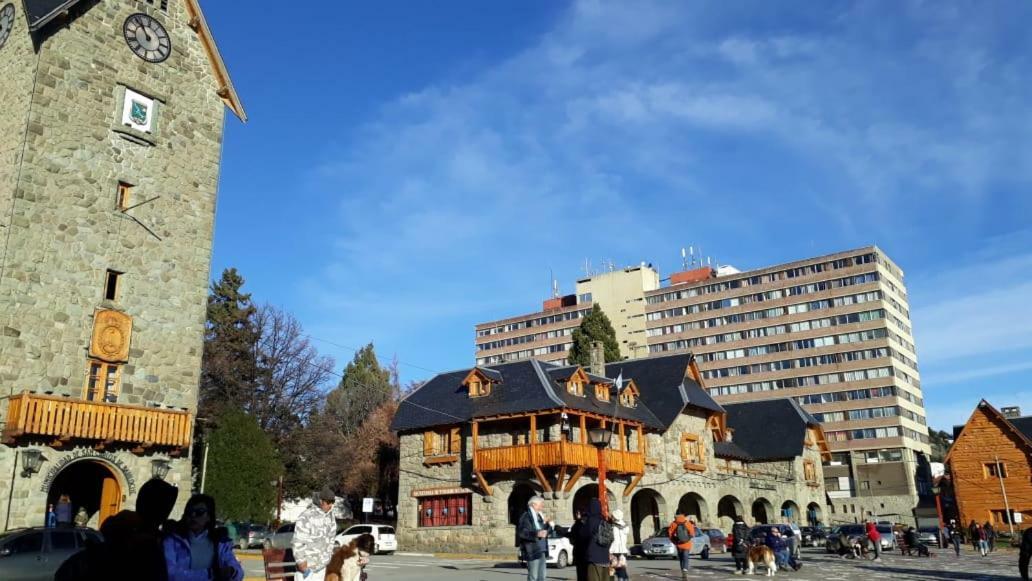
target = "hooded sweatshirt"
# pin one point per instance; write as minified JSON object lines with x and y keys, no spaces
{"x":672,"y":532}
{"x":619,"y":546}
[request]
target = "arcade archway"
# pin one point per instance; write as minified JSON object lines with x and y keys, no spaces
{"x":727,"y":509}
{"x":518,"y":499}
{"x":693,"y":504}
{"x":762,"y":511}
{"x":790,"y":511}
{"x":814,"y":514}
{"x":647,"y":509}
{"x":90,"y":485}
{"x":584,"y":495}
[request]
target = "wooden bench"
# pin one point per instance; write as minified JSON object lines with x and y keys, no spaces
{"x":279,"y":565}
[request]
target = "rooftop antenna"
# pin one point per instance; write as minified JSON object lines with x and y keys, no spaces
{"x":684,"y":259}
{"x":691,"y":254}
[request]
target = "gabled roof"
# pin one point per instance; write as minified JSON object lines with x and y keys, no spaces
{"x":39,"y":13}
{"x":731,"y":451}
{"x":772,"y":429}
{"x":664,"y":386}
{"x":1020,"y":427}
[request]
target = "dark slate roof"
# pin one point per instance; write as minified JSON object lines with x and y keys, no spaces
{"x":530,"y":385}
{"x":664,"y":387}
{"x":772,"y":429}
{"x":1023,"y":425}
{"x":40,"y":12}
{"x":730,"y":450}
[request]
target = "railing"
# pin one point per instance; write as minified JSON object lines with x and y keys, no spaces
{"x":546,"y":454}
{"x":68,"y":419}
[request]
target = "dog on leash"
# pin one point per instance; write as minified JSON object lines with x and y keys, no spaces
{"x":761,"y":555}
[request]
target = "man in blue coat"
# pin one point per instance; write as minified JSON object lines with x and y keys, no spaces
{"x":532,"y":533}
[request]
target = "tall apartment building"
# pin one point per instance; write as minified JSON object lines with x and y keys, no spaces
{"x":546,"y":335}
{"x":834,"y":333}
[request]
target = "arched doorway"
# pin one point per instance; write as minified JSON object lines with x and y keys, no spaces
{"x":647,"y":509}
{"x":692,"y":504}
{"x":814,"y":516}
{"x":91,"y":485}
{"x":727,"y":509}
{"x":584,"y":495}
{"x":518,"y":499}
{"x":790,"y":511}
{"x":762,"y":511}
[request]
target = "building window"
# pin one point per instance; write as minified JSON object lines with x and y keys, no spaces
{"x":692,"y":452}
{"x":102,"y":381}
{"x":602,"y":391}
{"x":442,"y":444}
{"x":479,"y":388}
{"x":111,"y":283}
{"x":452,"y":510}
{"x":122,"y":196}
{"x":627,"y":398}
{"x":995,"y":470}
{"x":576,"y":387}
{"x":810,"y":471}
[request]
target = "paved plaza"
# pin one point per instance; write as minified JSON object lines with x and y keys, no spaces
{"x":817,"y":566}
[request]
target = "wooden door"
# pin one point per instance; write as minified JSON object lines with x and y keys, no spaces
{"x":110,"y":500}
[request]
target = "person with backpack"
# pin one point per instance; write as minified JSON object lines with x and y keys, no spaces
{"x":597,"y":532}
{"x":740,"y":535}
{"x":681,"y":533}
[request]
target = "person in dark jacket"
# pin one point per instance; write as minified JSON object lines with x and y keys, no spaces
{"x":127,"y":554}
{"x":972,"y":531}
{"x":782,"y":554}
{"x":597,"y":553}
{"x":580,"y":546}
{"x":990,"y":534}
{"x":1025,"y":554}
{"x":740,"y":544}
{"x":532,"y":532}
{"x":63,"y":510}
{"x":955,"y":536}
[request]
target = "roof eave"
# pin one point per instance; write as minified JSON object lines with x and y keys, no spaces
{"x":226,"y":91}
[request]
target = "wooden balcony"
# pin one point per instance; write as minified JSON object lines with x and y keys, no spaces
{"x":556,"y":454}
{"x":103,"y":424}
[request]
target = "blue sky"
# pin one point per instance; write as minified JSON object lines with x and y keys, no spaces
{"x":412,"y":168}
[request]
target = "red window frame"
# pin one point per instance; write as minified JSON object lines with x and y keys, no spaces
{"x":451,"y":510}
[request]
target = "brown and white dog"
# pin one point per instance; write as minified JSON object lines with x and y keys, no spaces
{"x":761,"y":555}
{"x":348,"y":561}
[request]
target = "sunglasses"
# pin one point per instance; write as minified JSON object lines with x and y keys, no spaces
{"x":198,"y":511}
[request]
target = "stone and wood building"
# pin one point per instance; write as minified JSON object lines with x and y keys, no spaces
{"x":990,"y":465}
{"x":477,"y":443}
{"x":110,"y":145}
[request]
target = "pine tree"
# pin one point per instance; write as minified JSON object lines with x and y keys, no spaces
{"x":242,"y":466}
{"x":364,"y":386}
{"x":229,"y":367}
{"x":594,"y":327}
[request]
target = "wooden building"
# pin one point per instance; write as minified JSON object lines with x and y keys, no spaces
{"x":990,"y":467}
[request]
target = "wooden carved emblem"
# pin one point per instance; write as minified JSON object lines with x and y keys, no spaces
{"x":111,"y":332}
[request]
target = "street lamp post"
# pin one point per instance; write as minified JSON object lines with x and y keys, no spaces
{"x":600,"y":438}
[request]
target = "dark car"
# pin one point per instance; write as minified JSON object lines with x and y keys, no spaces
{"x":35,"y":554}
{"x":249,"y":536}
{"x":718,"y":542}
{"x":854,"y":531}
{"x":812,"y":536}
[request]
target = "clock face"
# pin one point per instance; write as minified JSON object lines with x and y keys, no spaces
{"x":6,"y":23}
{"x":147,"y":38}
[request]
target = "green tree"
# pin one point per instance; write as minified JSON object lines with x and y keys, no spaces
{"x":594,"y":327}
{"x":940,"y":443}
{"x":364,"y":386}
{"x":228,"y":366}
{"x":242,"y":465}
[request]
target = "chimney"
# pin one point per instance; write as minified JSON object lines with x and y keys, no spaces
{"x":1011,"y":412}
{"x":598,"y":359}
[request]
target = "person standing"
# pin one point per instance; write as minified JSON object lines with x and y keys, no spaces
{"x":51,"y":518}
{"x":875,"y":537}
{"x":580,"y":546}
{"x":681,"y":533}
{"x":740,"y":544}
{"x":63,"y":511}
{"x":597,"y":551}
{"x":973,"y":534}
{"x":983,"y":540}
{"x":313,"y":538}
{"x":619,"y":550}
{"x":1026,"y":553}
{"x":990,"y":534}
{"x":955,"y":536}
{"x":197,"y":551}
{"x":532,"y":532}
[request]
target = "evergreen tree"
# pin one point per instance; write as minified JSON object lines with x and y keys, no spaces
{"x":594,"y":327}
{"x":242,"y":466}
{"x":364,"y":386}
{"x":229,"y":367}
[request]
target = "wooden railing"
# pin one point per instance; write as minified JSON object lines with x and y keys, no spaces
{"x":548,"y":454}
{"x":68,"y":419}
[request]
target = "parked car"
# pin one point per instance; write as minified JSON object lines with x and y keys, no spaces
{"x":888,"y":538}
{"x":248,"y":536}
{"x":384,"y":535}
{"x":851,"y":531}
{"x":718,"y":542}
{"x":660,"y":546}
{"x":283,"y":538}
{"x":929,"y":536}
{"x":35,"y":554}
{"x":812,"y":536}
{"x":560,"y":550}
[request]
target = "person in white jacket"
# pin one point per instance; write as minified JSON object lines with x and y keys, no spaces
{"x":619,"y":551}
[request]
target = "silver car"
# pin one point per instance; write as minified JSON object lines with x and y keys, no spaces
{"x":661,"y":546}
{"x":283,"y":538}
{"x":35,"y":554}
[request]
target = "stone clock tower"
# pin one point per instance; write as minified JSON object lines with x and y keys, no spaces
{"x":110,"y":140}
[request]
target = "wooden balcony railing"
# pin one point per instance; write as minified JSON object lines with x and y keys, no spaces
{"x":30,"y":415}
{"x":548,"y":454}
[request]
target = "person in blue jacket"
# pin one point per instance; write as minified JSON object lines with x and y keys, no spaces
{"x":197,"y":551}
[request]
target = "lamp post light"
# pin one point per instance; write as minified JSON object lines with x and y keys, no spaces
{"x":32,"y":459}
{"x":159,"y":468}
{"x":600,"y":438}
